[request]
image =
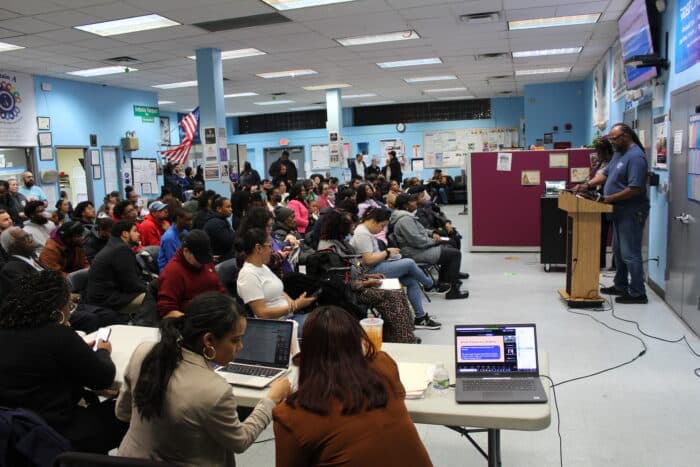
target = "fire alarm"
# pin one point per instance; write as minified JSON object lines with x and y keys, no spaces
{"x":568,"y":126}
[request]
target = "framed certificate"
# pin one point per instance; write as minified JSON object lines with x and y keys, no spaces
{"x":46,"y":153}
{"x":45,"y":139}
{"x":43,"y":123}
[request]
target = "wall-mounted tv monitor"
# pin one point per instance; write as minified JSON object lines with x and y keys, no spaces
{"x":635,"y":37}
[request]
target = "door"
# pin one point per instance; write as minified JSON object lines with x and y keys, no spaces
{"x":683,"y":274}
{"x":296,"y":155}
{"x":110,"y":170}
{"x":72,"y":177}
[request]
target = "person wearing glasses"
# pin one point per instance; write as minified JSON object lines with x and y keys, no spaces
{"x":624,"y":182}
{"x":46,"y":366}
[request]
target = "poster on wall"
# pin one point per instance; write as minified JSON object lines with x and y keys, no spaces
{"x":18,"y":125}
{"x":600,"y":94}
{"x":164,"y":131}
{"x":687,"y":34}
{"x":660,"y":139}
{"x":619,"y":86}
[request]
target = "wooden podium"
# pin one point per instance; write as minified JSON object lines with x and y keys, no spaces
{"x":582,"y":250}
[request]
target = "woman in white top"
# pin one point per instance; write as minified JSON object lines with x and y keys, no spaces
{"x":260,"y":288}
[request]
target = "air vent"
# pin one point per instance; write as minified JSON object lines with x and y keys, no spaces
{"x":506,"y":92}
{"x":123,"y":59}
{"x":278,"y":94}
{"x":324,"y":103}
{"x":243,"y":22}
{"x":492,"y":55}
{"x":498,"y":77}
{"x":480,"y":18}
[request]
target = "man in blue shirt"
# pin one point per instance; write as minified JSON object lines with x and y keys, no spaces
{"x":29,"y":188}
{"x":170,"y":241}
{"x":625,"y":188}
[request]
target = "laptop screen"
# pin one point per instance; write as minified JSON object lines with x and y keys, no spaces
{"x":554,"y":186}
{"x":266,"y":342}
{"x":501,"y":348}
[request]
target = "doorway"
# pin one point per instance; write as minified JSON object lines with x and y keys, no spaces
{"x":72,"y":178}
{"x":296,"y":155}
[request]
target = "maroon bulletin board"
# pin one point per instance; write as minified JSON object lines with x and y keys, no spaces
{"x":505,"y":213}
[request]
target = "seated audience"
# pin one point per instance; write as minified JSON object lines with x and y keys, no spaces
{"x":5,"y":223}
{"x":381,"y":262}
{"x":260,"y":218}
{"x":55,"y":365}
{"x":440,"y":186}
{"x":204,"y":209}
{"x":154,"y":225}
{"x":110,"y":198}
{"x":179,"y":410}
{"x":427,"y":246}
{"x":394,"y":191}
{"x":192,"y":204}
{"x":98,"y":236}
{"x":297,"y":203}
{"x":8,"y":204}
{"x":38,"y":224}
{"x":170,"y":241}
{"x":349,"y":406}
{"x":21,"y":260}
{"x":323,"y":199}
{"x":125,"y":210}
{"x":64,"y":250}
{"x":84,"y":213}
{"x":220,"y":232}
{"x":190,"y":273}
{"x":432,"y":218}
{"x":285,"y":227}
{"x":19,"y":200}
{"x":260,"y":288}
{"x":64,"y":207}
{"x":365,"y":199}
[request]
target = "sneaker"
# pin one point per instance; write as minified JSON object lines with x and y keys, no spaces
{"x":456,"y":294}
{"x":629,"y":299}
{"x":464,"y":275}
{"x":426,"y":322}
{"x":612,"y":290}
{"x":440,"y":287}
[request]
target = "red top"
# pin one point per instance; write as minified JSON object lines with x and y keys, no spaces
{"x":179,"y":282}
{"x":151,"y":230}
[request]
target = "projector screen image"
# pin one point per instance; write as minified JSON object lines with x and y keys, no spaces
{"x":635,"y":37}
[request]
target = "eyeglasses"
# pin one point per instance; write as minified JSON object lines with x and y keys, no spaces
{"x":615,"y":138}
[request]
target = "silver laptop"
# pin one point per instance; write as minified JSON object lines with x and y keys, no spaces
{"x":554,"y":187}
{"x":265,"y":355}
{"x":497,"y":364}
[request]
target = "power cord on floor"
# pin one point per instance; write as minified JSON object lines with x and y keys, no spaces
{"x":264,"y":440}
{"x":556,"y":408}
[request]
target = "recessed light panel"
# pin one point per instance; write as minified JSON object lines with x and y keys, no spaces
{"x":543,"y":71}
{"x":425,"y":79}
{"x":287,"y":73}
{"x":308,"y":107}
{"x":323,"y":87}
{"x":455,"y":98}
{"x":239,"y":114}
{"x":378,"y":38}
{"x":414,"y":62}
{"x":240,"y":53}
{"x":429,"y":91}
{"x":358,"y":96}
{"x":5,"y":47}
{"x":240,"y":94}
{"x":181,"y":84}
{"x":105,"y":70}
{"x":553,"y":22}
{"x":294,"y":4}
{"x":378,"y":103}
{"x":165,"y":102}
{"x":283,"y":101}
{"x":128,"y":25}
{"x":545,"y":52}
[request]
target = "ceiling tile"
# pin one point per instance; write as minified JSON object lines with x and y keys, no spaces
{"x":30,"y":7}
{"x":27,"y":25}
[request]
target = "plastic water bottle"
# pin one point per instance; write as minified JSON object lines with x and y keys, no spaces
{"x":441,"y":378}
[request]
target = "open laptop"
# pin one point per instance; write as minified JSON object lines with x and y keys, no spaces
{"x":265,"y":355}
{"x":497,"y":364}
{"x":553,"y":187}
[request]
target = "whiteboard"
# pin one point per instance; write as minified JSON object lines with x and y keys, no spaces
{"x":145,"y":176}
{"x":320,"y":156}
{"x":448,"y":148}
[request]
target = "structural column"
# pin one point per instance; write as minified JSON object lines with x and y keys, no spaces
{"x":334,"y":118}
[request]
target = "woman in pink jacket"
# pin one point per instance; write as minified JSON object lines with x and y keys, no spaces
{"x":297,"y":204}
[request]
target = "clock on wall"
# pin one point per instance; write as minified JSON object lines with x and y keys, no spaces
{"x":400,"y":127}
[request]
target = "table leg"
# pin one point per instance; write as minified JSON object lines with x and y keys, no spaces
{"x":494,"y":448}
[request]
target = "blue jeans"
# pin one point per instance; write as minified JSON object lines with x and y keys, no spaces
{"x":409,"y":274}
{"x":442,"y":194}
{"x":628,"y":229}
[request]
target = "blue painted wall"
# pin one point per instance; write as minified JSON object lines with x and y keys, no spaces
{"x":80,"y":109}
{"x":556,"y":104}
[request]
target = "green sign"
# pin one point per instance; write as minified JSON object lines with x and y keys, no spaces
{"x":147,"y":114}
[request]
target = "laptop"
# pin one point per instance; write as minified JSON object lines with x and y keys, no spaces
{"x":265,"y":355}
{"x":553,"y":187}
{"x":497,"y":364}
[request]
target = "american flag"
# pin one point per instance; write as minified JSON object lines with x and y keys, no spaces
{"x":180,"y":153}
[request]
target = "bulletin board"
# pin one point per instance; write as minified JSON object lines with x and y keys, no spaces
{"x":448,"y":148}
{"x":320,"y":157}
{"x":505,"y":212}
{"x":145,"y":176}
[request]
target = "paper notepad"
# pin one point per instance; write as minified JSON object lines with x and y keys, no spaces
{"x":390,"y":284}
{"x":416,"y":378}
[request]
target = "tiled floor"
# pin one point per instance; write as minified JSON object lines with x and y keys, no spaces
{"x":643,"y":414}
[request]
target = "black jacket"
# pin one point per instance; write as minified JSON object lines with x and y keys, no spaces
{"x":353,"y":170}
{"x":93,"y":244}
{"x":114,"y":279}
{"x":13,"y":270}
{"x":250,"y":178}
{"x":221,"y":235}
{"x":49,"y":373}
{"x":396,"y":174}
{"x":291,"y":170}
{"x":9,"y":205}
{"x":201,"y":218}
{"x":369,"y":170}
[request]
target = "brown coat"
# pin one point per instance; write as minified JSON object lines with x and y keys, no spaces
{"x":385,"y":437}
{"x":55,"y":256}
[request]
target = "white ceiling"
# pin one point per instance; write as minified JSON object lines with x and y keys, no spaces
{"x":54,"y":48}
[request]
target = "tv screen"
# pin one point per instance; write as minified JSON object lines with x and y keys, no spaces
{"x":635,"y":37}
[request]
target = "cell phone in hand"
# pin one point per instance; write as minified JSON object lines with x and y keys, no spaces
{"x":102,"y":335}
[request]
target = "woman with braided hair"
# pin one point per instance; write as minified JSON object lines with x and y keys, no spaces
{"x":45,"y":365}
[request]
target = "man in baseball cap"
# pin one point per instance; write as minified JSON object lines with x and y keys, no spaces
{"x":154,"y":224}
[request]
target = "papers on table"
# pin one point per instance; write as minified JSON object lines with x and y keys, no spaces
{"x":390,"y":284}
{"x":416,"y":378}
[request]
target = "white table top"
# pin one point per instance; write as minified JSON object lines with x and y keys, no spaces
{"x":437,"y":408}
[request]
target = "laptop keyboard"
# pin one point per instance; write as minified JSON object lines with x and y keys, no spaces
{"x":517,"y":384}
{"x":251,"y":370}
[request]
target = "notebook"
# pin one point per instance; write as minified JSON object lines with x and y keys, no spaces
{"x":265,"y":355}
{"x":497,"y":364}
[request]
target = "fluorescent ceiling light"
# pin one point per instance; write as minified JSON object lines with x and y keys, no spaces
{"x":358,"y":96}
{"x":240,"y":94}
{"x":239,"y":114}
{"x":454,"y":98}
{"x":423,"y":79}
{"x":283,"y":101}
{"x":294,"y":4}
{"x":240,"y":53}
{"x":542,"y":71}
{"x":414,"y":62}
{"x":128,"y":25}
{"x":181,"y":84}
{"x":322,"y":87}
{"x":5,"y":47}
{"x":308,"y":107}
{"x":428,"y":91}
{"x":105,"y":70}
{"x":378,"y":103}
{"x":378,"y":38}
{"x":287,"y":74}
{"x":543,"y":52}
{"x":552,"y":22}
{"x":165,"y":102}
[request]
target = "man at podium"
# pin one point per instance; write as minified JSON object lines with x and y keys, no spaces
{"x":624,"y":187}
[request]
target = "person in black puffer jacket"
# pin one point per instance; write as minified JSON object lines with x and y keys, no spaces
{"x":219,"y":229}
